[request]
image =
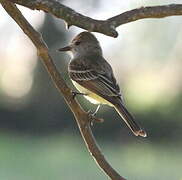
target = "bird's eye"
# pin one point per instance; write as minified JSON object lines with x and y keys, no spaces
{"x":77,"y":43}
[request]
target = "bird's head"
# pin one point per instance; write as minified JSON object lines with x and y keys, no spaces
{"x":84,"y":43}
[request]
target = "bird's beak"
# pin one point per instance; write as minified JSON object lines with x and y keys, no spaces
{"x":66,"y":48}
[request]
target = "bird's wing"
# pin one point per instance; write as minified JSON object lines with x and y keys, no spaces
{"x":98,"y":80}
{"x":101,"y":81}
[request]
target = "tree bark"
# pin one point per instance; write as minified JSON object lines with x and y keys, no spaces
{"x":107,"y":27}
{"x":83,"y":118}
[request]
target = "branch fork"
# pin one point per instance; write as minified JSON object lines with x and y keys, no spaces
{"x":107,"y":27}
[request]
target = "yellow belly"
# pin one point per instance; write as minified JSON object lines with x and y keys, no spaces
{"x":92,"y":97}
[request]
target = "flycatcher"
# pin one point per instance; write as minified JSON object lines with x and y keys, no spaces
{"x":93,"y":76}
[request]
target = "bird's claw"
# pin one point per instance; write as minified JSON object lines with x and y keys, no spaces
{"x":74,"y":94}
{"x":93,"y":119}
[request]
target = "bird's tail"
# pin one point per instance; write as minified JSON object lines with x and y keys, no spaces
{"x":129,"y":120}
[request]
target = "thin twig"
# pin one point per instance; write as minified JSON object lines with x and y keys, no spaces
{"x":82,"y":118}
{"x":107,"y":27}
{"x":147,"y":12}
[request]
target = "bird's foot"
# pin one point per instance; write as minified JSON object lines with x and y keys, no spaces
{"x":93,"y":119}
{"x":74,"y":94}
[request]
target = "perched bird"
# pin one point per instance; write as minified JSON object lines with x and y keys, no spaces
{"x":93,"y":76}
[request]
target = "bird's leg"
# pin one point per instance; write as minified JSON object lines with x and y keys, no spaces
{"x":92,"y":114}
{"x":97,"y":109}
{"x":74,"y":94}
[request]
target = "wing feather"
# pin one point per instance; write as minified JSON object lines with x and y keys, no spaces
{"x":95,"y":82}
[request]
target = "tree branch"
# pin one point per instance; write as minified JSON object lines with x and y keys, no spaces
{"x":82,"y":118}
{"x":107,"y":27}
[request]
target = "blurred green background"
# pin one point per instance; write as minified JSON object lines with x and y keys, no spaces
{"x":39,"y":138}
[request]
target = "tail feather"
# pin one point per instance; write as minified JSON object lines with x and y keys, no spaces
{"x":129,"y":120}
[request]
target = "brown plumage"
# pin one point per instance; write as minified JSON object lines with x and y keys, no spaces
{"x":93,"y":75}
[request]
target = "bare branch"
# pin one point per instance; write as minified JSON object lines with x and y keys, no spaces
{"x":70,"y":16}
{"x":107,"y":27}
{"x":82,"y":118}
{"x":147,"y":12}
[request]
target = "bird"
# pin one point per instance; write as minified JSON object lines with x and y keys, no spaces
{"x":93,"y":77}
